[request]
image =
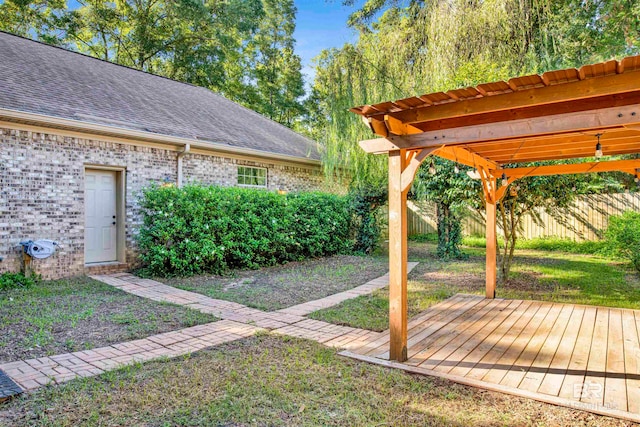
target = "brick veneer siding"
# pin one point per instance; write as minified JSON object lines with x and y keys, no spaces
{"x":224,"y":171}
{"x":42,"y":190}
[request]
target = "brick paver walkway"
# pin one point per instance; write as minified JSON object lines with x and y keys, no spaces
{"x":157,"y":291}
{"x":239,"y":322}
{"x":33,"y":373}
{"x":335,"y":299}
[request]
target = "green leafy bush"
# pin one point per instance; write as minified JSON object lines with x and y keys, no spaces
{"x":209,"y":229}
{"x":366,"y":201}
{"x":623,"y":236}
{"x":16,"y":280}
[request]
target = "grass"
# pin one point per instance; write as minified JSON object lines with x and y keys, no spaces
{"x":61,"y":316}
{"x":282,"y":381}
{"x":286,"y":285}
{"x":276,"y":381}
{"x":552,"y":244}
{"x":538,"y":275}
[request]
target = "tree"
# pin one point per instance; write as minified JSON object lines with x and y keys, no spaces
{"x":392,"y":60}
{"x":453,"y":191}
{"x":411,"y":47}
{"x":41,"y":19}
{"x":277,"y":68}
{"x":524,"y":197}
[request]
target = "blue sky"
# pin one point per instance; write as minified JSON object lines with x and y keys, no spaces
{"x":321,"y":24}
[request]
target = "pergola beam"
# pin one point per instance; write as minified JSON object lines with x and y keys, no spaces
{"x":396,"y":127}
{"x":566,"y":155}
{"x":583,"y":121}
{"x":465,"y":157}
{"x":551,"y":142}
{"x":629,"y":166}
{"x":542,"y":96}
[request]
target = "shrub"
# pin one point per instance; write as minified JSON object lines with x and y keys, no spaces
{"x":209,"y":229}
{"x":623,"y":236}
{"x":366,"y":200}
{"x":16,"y":280}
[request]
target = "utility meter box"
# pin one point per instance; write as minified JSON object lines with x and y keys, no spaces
{"x":39,"y":249}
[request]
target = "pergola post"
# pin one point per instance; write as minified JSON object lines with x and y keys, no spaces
{"x":490,"y":203}
{"x":397,"y":257}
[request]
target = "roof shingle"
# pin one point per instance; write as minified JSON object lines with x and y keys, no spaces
{"x":42,"y":79}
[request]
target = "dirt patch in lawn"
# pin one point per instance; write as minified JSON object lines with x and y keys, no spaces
{"x":62,"y":316}
{"x":282,"y":286}
{"x":269,"y":381}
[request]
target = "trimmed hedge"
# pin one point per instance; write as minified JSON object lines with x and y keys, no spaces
{"x":210,"y":229}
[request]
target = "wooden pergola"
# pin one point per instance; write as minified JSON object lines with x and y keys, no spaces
{"x":558,"y":115}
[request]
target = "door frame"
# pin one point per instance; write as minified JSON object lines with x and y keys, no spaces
{"x":121,"y":226}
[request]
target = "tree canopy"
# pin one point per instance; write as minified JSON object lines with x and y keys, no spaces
{"x":243,"y":49}
{"x":409,"y":47}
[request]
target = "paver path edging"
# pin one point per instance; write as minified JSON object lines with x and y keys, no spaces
{"x":239,"y":321}
{"x":33,"y":373}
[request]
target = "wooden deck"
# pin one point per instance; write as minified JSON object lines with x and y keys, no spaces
{"x":583,"y":357}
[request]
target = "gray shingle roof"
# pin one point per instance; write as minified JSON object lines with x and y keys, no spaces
{"x":42,"y":79}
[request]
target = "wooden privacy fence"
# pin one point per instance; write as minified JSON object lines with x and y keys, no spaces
{"x":586,"y":220}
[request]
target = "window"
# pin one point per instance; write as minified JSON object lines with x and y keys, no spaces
{"x":255,"y":177}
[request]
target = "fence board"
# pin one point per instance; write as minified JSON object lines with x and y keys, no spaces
{"x":586,"y":220}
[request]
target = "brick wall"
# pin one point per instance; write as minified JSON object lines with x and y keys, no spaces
{"x":224,"y":171}
{"x":42,"y":190}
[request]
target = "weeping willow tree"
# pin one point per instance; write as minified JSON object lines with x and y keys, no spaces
{"x":414,"y":47}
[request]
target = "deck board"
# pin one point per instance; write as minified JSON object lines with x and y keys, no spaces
{"x":449,"y":307}
{"x":580,"y":356}
{"x":615,"y":387}
{"x":530,"y":352}
{"x":503,"y":344}
{"x":451,"y":354}
{"x":506,"y":363}
{"x":486,"y":345}
{"x":594,"y":379}
{"x":475,"y":339}
{"x":534,"y":376}
{"x":448,"y":332}
{"x":632,"y":358}
{"x":440,"y":324}
{"x":553,"y":378}
{"x":574,"y":378}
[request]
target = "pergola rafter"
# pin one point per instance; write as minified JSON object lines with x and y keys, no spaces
{"x":555,"y":116}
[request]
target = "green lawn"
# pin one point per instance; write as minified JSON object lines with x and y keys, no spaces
{"x":276,"y":381}
{"x":539,"y":275}
{"x":282,"y":286}
{"x":61,"y":316}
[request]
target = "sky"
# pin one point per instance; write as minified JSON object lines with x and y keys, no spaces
{"x":321,"y":24}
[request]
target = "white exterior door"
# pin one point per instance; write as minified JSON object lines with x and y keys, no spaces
{"x":100,"y":243}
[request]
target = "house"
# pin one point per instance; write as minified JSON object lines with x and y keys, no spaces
{"x":81,"y":137}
